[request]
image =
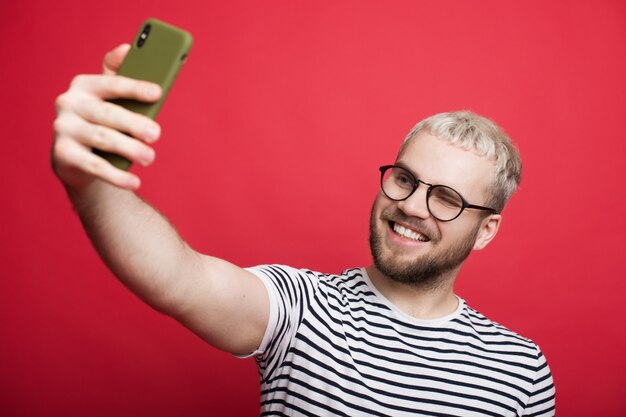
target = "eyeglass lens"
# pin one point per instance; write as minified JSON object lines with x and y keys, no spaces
{"x":443,"y":202}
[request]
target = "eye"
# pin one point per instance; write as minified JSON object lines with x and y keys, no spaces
{"x":447,"y":197}
{"x":403,"y":179}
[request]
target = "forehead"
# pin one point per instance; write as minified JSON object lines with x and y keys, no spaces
{"x":436,"y":161}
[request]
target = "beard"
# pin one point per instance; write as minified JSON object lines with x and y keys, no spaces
{"x":426,"y":271}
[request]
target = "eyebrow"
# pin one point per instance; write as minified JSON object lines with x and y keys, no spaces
{"x":405,"y":166}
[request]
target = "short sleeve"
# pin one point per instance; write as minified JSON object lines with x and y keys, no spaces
{"x":542,"y":398}
{"x":290,"y":292}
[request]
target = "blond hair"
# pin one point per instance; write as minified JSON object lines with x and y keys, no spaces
{"x":470,"y":131}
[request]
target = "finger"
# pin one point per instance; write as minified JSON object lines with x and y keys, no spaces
{"x":116,"y":117}
{"x":113,"y":86}
{"x":104,"y":138}
{"x":72,"y":156}
{"x":114,"y":58}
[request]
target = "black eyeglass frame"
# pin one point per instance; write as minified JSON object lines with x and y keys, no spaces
{"x":431,"y":187}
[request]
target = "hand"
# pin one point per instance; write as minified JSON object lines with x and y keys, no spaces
{"x":85,"y":121}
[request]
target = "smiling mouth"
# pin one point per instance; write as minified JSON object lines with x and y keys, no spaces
{"x":408,"y":233}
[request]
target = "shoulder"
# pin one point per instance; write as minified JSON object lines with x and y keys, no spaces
{"x":351,"y":283}
{"x":289,"y":279}
{"x":350,"y":279}
{"x":282,"y":273}
{"x":496,"y":335}
{"x":489,"y":327}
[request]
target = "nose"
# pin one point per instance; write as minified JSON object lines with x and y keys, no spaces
{"x":415,"y":205}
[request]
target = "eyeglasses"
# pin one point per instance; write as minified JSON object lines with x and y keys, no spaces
{"x":443,"y":203}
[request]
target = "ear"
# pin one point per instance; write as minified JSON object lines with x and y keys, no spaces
{"x":488,"y":230}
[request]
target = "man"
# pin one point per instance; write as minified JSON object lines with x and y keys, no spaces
{"x":389,"y":339}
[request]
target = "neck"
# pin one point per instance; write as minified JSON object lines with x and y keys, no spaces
{"x":425,"y":303}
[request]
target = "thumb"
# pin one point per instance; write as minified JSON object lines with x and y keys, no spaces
{"x":114,"y":58}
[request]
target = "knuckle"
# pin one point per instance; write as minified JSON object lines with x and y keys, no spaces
{"x":105,"y":111}
{"x":89,"y":110}
{"x":59,"y":125}
{"x":129,"y":87}
{"x":94,"y":166}
{"x":60,"y":151}
{"x":78,"y":81}
{"x":140,"y":88}
{"x":97,"y":111}
{"x":107,"y":57}
{"x":118,"y":84}
{"x":99,"y":137}
{"x":62,"y":102}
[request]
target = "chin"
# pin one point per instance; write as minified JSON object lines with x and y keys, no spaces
{"x":428,"y":268}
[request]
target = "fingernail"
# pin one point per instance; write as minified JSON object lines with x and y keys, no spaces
{"x":152,"y":132}
{"x":146,"y":158}
{"x":152,"y":91}
{"x":133,"y":182}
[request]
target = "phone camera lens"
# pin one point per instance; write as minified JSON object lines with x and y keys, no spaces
{"x":143,"y":36}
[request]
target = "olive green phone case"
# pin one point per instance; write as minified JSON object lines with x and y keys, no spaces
{"x":157,"y":54}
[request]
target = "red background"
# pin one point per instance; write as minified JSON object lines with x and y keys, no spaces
{"x":272,"y":138}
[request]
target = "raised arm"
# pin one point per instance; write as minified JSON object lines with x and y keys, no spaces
{"x":223,"y":304}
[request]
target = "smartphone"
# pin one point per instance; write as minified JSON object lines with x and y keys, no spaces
{"x":157,"y":55}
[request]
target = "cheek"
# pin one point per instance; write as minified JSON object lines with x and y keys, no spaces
{"x":377,"y":210}
{"x":461,"y":231}
{"x":447,"y":230}
{"x":380,"y":203}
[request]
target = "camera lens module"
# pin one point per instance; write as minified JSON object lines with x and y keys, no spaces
{"x":143,"y":36}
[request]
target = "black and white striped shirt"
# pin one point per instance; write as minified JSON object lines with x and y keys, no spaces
{"x":335,"y":346}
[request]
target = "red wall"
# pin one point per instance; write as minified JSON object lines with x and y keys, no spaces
{"x":272,"y":139}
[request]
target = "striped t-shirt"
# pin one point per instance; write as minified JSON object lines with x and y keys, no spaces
{"x":335,"y":346}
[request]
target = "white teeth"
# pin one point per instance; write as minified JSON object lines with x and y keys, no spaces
{"x":408,"y":233}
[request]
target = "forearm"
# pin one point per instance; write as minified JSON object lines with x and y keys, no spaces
{"x":136,"y":242}
{"x":225,"y":305}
